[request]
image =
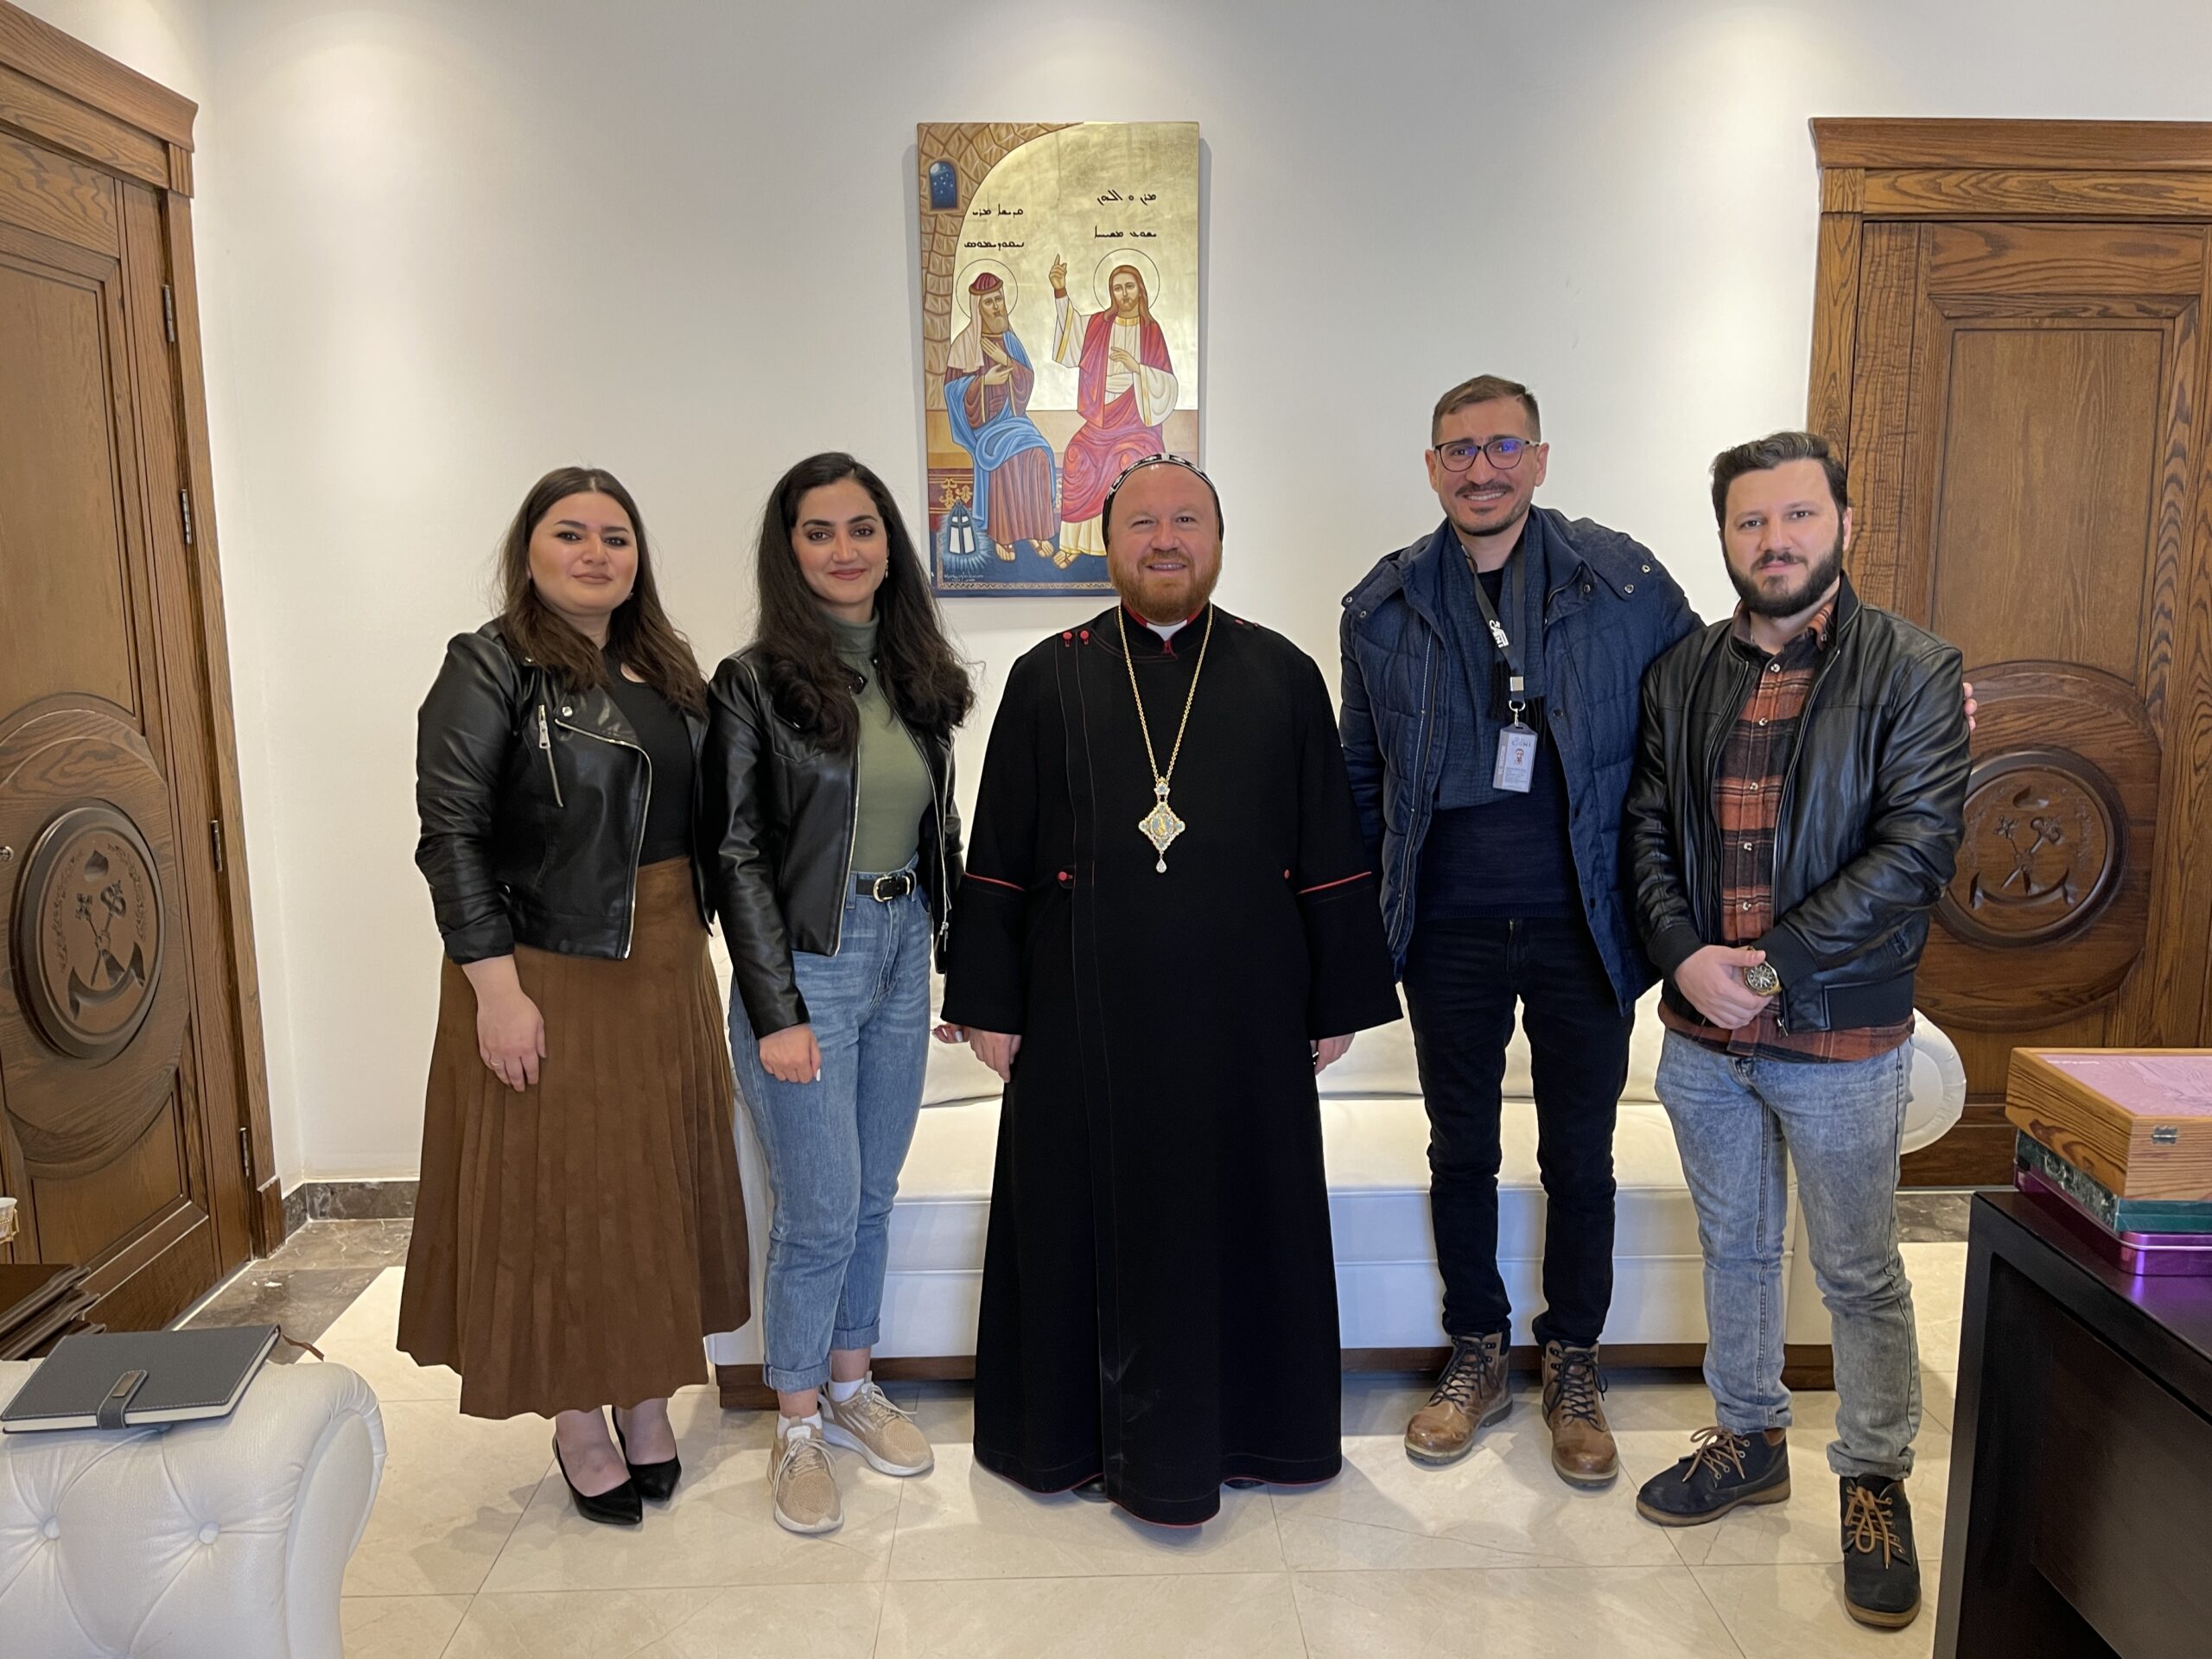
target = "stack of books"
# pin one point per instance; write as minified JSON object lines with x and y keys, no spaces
{"x":41,"y":1302}
{"x":2120,"y":1143}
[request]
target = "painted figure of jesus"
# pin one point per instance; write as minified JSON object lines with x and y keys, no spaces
{"x":988,"y":382}
{"x":1125,"y":391}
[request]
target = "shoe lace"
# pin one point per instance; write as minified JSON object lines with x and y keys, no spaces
{"x":1476,"y":1364}
{"x":1869,"y":1523}
{"x":1716,"y":1447}
{"x":871,"y":1406}
{"x":1576,"y":1387}
{"x":803,"y":1453}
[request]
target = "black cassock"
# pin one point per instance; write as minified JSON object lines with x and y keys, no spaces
{"x":1159,"y":1302}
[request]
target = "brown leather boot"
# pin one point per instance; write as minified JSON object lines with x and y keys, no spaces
{"x":1470,"y":1394}
{"x":1582,"y":1451}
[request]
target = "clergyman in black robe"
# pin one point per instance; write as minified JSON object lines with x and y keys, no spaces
{"x":1159,"y":1303}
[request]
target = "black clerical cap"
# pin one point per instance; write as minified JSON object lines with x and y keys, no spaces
{"x":1106,"y":513}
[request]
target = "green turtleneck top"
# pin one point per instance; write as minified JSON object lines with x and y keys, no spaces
{"x":893,"y":779}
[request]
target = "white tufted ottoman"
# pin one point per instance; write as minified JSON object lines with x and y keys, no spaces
{"x":226,"y":1538}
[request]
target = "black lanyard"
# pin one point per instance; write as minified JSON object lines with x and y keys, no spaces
{"x":1514,"y":585}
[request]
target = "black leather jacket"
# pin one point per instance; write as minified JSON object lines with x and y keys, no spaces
{"x":533,"y":798}
{"x":784,"y":812}
{"x":1871,"y":799}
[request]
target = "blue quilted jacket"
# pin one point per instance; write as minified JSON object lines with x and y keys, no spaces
{"x":1610,"y":611}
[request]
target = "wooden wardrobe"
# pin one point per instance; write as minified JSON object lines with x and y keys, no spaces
{"x":2009,"y":339}
{"x":134,"y":1104}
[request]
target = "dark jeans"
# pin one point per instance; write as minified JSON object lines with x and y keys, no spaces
{"x":1462,"y":979}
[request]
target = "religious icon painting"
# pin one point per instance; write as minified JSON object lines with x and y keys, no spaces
{"x":1060,"y":338}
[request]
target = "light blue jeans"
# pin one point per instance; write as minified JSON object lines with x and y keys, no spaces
{"x":1840,"y":1123}
{"x":835,"y":1147}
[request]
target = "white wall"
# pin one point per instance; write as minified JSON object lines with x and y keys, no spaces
{"x":446,"y":246}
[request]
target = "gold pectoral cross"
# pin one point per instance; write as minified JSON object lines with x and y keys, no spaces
{"x":1160,"y":826}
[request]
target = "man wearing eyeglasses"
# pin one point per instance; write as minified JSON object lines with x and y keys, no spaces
{"x":1490,"y":708}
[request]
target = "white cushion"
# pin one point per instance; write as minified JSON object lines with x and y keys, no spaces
{"x":1375,"y":1140}
{"x":228,"y":1537}
{"x":1377,"y":1155}
{"x":1938,"y":1085}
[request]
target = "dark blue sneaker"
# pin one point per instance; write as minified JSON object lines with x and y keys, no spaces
{"x":1726,"y":1470}
{"x":1881,"y":1569}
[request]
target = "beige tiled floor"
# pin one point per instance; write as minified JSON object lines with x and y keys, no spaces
{"x":474,"y":1552}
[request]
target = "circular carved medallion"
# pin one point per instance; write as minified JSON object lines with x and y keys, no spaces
{"x":88,"y":932}
{"x":2045,"y":842}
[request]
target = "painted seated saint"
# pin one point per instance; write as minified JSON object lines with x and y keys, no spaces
{"x":988,"y":382}
{"x":1125,"y":390}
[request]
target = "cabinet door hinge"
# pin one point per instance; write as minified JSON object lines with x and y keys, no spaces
{"x":215,"y":842}
{"x":184,"y":506}
{"x":169,"y":311}
{"x":245,"y":1156}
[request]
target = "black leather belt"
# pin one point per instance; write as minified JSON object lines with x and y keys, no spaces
{"x":884,"y":888}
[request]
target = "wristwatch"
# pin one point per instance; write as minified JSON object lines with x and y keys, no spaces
{"x":1762,"y":980}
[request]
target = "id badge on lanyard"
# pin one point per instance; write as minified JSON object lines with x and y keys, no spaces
{"x":1516,"y":770}
{"x":1516,"y":747}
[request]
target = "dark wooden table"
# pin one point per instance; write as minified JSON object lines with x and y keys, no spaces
{"x":2081,"y":1504}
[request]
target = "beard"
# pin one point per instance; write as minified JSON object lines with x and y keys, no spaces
{"x":1489,"y":519}
{"x":1820,"y":576}
{"x":1166,"y":598}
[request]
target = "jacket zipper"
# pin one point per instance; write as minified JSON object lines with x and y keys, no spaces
{"x":545,"y":744}
{"x":938,"y":800}
{"x":1712,"y":773}
{"x":1788,"y":778}
{"x":630,"y":921}
{"x":1427,"y":733}
{"x":852,"y":846}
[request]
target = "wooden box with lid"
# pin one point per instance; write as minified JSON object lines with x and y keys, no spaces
{"x":2139,"y":1120}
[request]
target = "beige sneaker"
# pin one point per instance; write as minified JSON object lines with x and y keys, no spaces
{"x":879,"y":1431}
{"x":801,"y":1483}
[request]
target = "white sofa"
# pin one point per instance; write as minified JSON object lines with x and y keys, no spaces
{"x":1375,"y":1135}
{"x":219,"y":1540}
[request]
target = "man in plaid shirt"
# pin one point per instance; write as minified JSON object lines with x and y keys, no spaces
{"x":1794,"y":815}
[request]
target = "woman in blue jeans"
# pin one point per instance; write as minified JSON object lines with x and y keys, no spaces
{"x":827,"y":778}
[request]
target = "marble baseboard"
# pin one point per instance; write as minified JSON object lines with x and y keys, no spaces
{"x":347,"y":1201}
{"x":1925,"y":1217}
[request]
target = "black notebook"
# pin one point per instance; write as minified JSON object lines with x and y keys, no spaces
{"x":128,"y":1379}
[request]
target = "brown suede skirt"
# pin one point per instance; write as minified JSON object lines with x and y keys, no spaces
{"x":574,"y":1242}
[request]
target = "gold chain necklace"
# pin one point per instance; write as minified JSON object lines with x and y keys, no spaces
{"x":1160,"y":826}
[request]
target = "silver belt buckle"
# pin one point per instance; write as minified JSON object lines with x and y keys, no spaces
{"x":882,"y":897}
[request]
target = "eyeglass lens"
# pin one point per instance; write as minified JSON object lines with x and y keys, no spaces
{"x":1503,"y":453}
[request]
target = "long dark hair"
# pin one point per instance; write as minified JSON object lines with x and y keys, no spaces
{"x":811,"y":688}
{"x":638,"y":632}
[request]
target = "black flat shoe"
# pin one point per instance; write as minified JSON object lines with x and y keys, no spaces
{"x":616,"y":1507}
{"x":656,"y":1481}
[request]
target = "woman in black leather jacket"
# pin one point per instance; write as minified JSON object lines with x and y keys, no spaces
{"x":829,"y":768}
{"x":579,"y":1225}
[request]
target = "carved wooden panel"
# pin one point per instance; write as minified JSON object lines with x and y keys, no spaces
{"x":2049,"y":908}
{"x":2048,"y":454}
{"x":89,"y":1042}
{"x":70,"y":487}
